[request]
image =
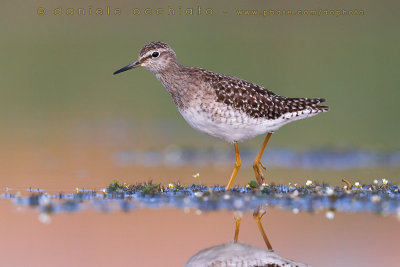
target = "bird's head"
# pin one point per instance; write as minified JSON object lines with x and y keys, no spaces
{"x":154,"y":56}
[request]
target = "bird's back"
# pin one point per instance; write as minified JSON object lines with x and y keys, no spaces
{"x":259,"y":102}
{"x":250,"y":98}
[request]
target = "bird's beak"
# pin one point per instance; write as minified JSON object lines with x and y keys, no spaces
{"x":128,"y":67}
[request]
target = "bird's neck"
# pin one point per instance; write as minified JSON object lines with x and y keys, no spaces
{"x":174,"y":80}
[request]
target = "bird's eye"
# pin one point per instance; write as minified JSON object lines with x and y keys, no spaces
{"x":155,"y":54}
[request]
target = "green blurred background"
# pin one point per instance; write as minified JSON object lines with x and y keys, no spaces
{"x":57,"y":85}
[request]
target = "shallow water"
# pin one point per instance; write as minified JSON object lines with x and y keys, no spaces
{"x":129,"y":225}
{"x":331,"y":159}
{"x":169,"y":237}
{"x":54,"y":209}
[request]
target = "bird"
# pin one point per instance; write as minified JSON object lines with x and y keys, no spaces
{"x":258,"y":213}
{"x":239,"y":254}
{"x":221,"y":105}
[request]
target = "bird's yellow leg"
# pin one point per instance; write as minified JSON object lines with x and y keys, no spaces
{"x":257,"y":215}
{"x":238,"y":219}
{"x":238,"y":163}
{"x":257,"y":165}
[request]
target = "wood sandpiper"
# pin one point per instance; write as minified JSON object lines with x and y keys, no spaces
{"x":224,"y":106}
{"x":240,"y":254}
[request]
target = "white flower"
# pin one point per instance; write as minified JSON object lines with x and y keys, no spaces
{"x":384,"y":181}
{"x":238,"y":203}
{"x":171,"y":186}
{"x":375,"y":181}
{"x":77,"y":190}
{"x":44,"y":200}
{"x":196,"y":175}
{"x":44,"y":218}
{"x":330,"y":215}
{"x":357,"y":184}
{"x":308,"y":183}
{"x":198,"y":194}
{"x":295,"y":194}
{"x":296,"y":210}
{"x":376,"y":198}
{"x":263,"y":186}
{"x":186,"y":200}
{"x":330,"y":191}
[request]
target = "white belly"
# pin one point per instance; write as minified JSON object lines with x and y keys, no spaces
{"x":233,"y":125}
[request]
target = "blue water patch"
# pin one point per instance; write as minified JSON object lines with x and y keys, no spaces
{"x":381,"y":198}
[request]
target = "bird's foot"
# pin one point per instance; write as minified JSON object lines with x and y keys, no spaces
{"x":238,"y":215}
{"x":258,"y":166}
{"x":257,"y":215}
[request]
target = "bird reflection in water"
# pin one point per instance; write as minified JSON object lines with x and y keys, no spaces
{"x":234,"y":253}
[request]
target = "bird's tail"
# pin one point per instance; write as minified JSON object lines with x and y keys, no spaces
{"x":298,"y":104}
{"x":317,"y":101}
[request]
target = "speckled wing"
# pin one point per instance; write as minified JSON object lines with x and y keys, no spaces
{"x":259,"y":102}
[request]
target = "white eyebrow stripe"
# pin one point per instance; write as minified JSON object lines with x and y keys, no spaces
{"x":154,"y":50}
